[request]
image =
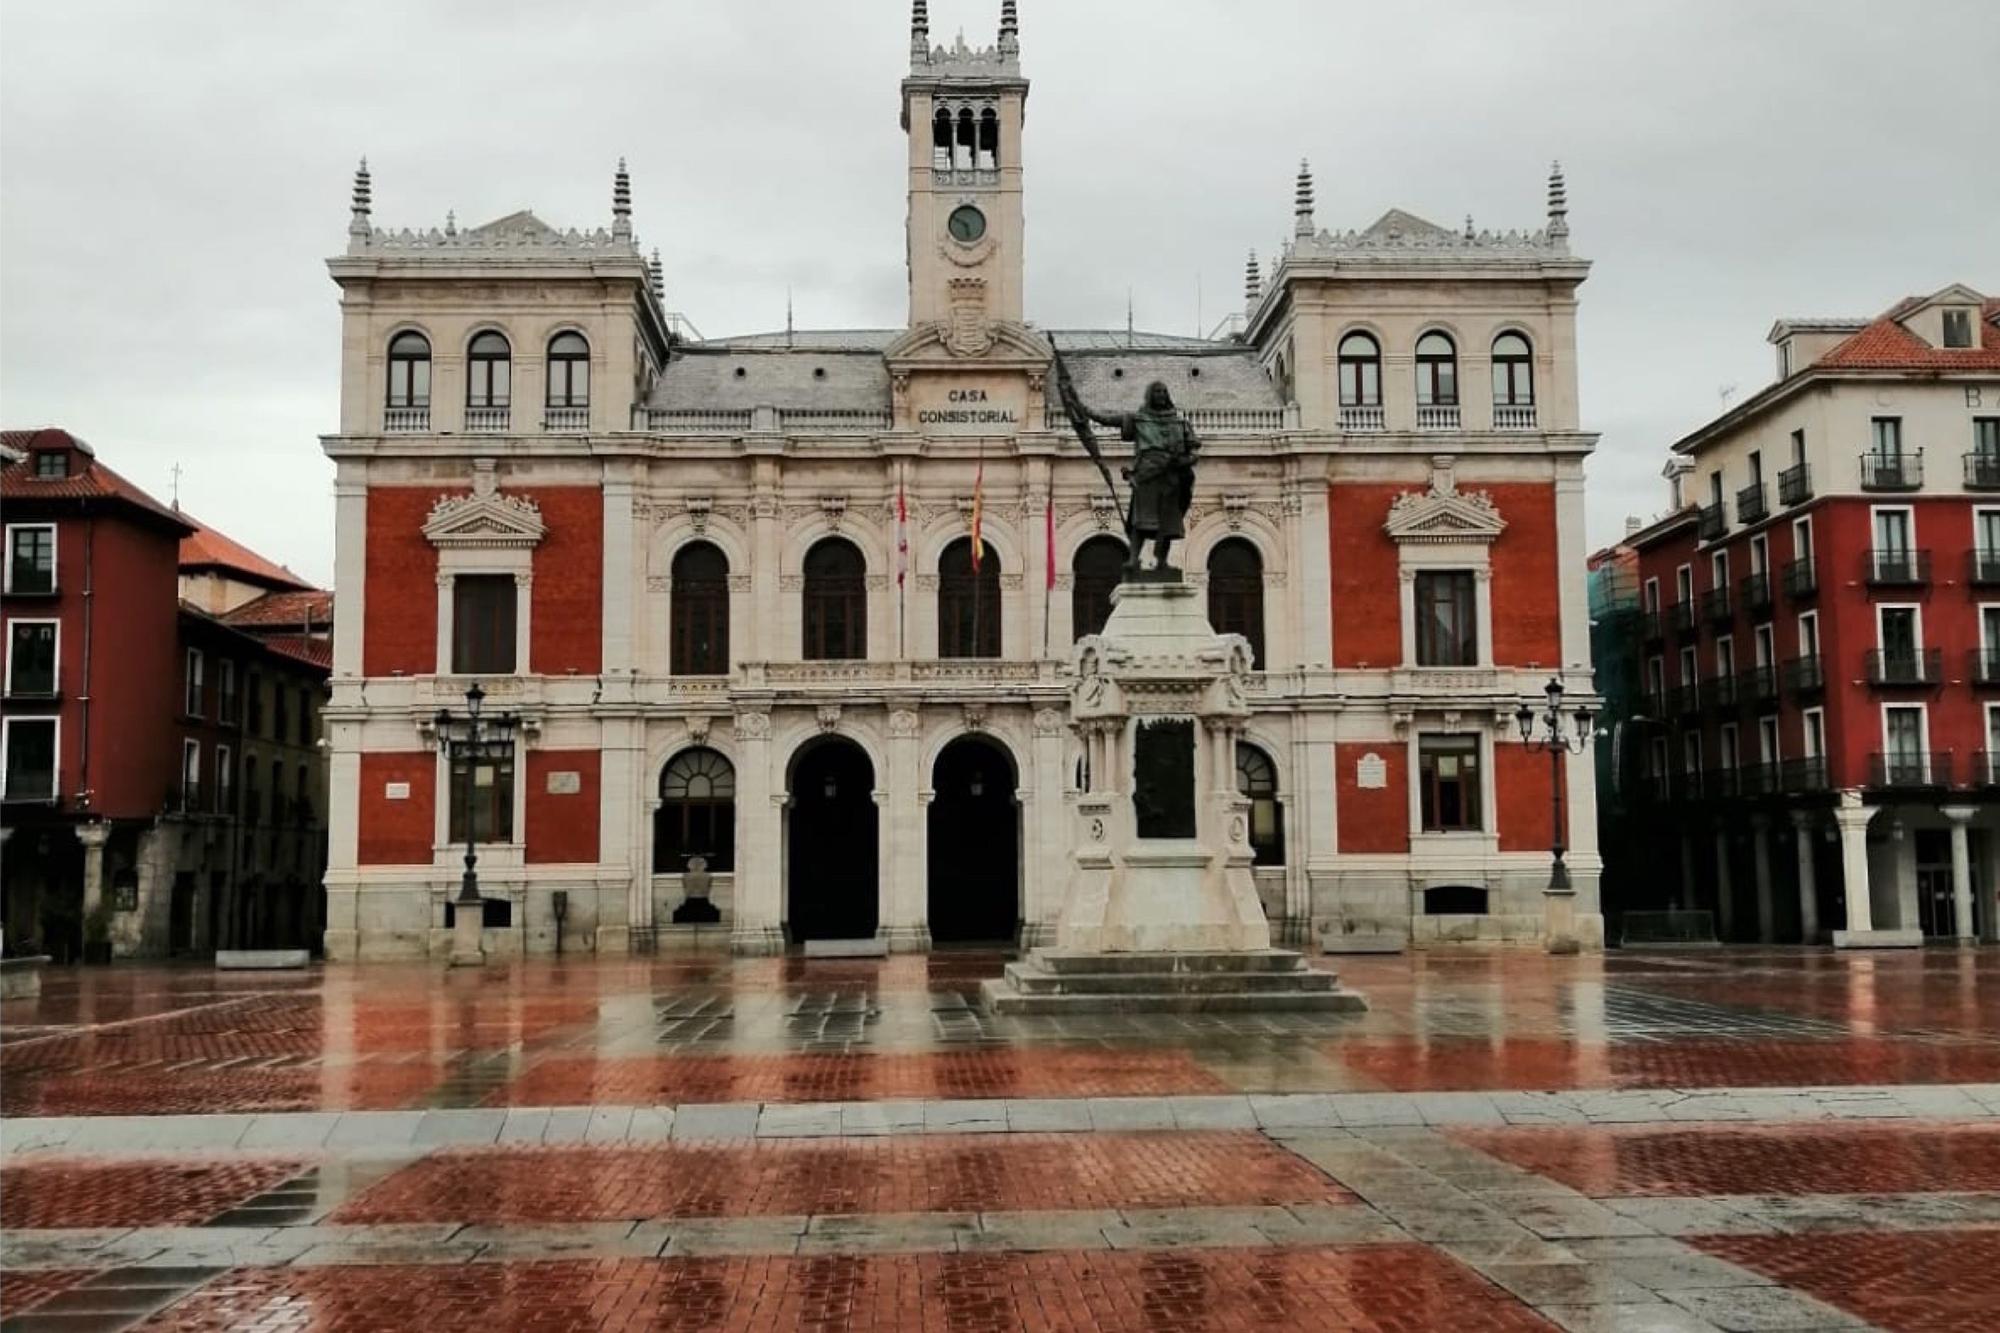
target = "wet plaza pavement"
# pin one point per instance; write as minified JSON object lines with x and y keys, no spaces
{"x":1774,"y":1139}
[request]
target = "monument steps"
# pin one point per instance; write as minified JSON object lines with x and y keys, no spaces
{"x":1051,"y":981}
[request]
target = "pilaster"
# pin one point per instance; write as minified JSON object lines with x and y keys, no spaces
{"x":1803,"y":828}
{"x":1963,"y":925}
{"x":760,"y":869}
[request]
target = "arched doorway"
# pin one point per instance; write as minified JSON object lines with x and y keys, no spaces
{"x":974,"y":844}
{"x":831,"y":890}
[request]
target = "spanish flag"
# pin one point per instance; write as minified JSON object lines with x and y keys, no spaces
{"x":978,"y":512}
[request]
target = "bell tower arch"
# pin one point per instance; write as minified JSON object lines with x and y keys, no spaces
{"x":962,"y":108}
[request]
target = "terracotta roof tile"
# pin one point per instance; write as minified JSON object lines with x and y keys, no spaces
{"x":207,"y":548}
{"x":1887,"y":345}
{"x":313,"y":652}
{"x":288,"y":608}
{"x":93,"y":480}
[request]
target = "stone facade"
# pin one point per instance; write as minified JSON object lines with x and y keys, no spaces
{"x":744,"y":563}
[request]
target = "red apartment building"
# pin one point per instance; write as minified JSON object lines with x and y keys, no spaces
{"x":158,"y":757}
{"x":1820,"y":615}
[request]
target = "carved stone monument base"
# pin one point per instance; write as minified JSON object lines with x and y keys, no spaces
{"x":1161,"y":911}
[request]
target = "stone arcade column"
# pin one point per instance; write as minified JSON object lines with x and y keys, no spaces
{"x":1961,"y":872}
{"x":1767,"y":907}
{"x":1851,"y":816}
{"x":93,"y":836}
{"x":1045,"y":831}
{"x":1725,"y":889}
{"x":759,"y":905}
{"x":903,"y":815}
{"x":1803,"y":828}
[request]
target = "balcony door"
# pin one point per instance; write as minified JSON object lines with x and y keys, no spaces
{"x":1903,"y":745}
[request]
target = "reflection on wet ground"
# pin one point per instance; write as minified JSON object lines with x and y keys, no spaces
{"x":642,"y":1030}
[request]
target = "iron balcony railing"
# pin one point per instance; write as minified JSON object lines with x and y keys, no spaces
{"x":1910,"y":768}
{"x":1805,"y":675}
{"x":1759,"y":685}
{"x":1795,"y":484}
{"x":1651,"y":624}
{"x":1681,"y":616}
{"x":1765,"y":779}
{"x":1721,"y":784}
{"x":1658,"y":703}
{"x":1983,"y":565}
{"x":1712,"y":522}
{"x":30,"y":784}
{"x":1919,"y":667}
{"x":1715,"y":608}
{"x":1806,"y":775}
{"x":1982,"y":666}
{"x":1719,"y":693}
{"x":1801,"y":579}
{"x":1898,"y":567}
{"x":1750,"y":506}
{"x":1756,"y":589}
{"x":1985,"y":769}
{"x":1892,"y":472}
{"x":1982,"y":471}
{"x":1685,"y":699}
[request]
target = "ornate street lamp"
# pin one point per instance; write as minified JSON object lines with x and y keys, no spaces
{"x":472,"y":738}
{"x":1559,"y":899}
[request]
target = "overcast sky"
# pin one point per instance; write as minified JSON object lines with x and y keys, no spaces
{"x":172,"y":176}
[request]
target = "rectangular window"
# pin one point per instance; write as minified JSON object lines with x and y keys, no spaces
{"x":1885,"y":438}
{"x":1958,"y":328}
{"x":1898,"y":633}
{"x":1813,"y":732}
{"x":1652,"y":596}
{"x":1760,"y":554}
{"x":191,"y":703}
{"x":1725,"y":657}
{"x":53,"y":463}
{"x":1986,"y":438}
{"x":253,"y":721}
{"x":1689,"y":671}
{"x":1718,"y":571}
{"x":225,"y":781}
{"x":1767,"y":740}
{"x":31,"y":558}
{"x":1447,"y":619}
{"x":1756,"y":466}
{"x":1657,"y":757}
{"x":1892,"y":532}
{"x":31,"y":658}
{"x":1767,"y":646}
{"x":482,"y":624}
{"x":1986,"y":534}
{"x":1725,"y":747}
{"x":1802,"y":543}
{"x":482,"y":792}
{"x":1691,"y":753}
{"x":1684,"y":583}
{"x":30,"y":743}
{"x":1809,"y":634}
{"x":190,"y":775}
{"x":1448,"y":776}
{"x":1798,"y":447}
{"x":1903,"y":734}
{"x":225,"y":692}
{"x":1656,"y":677}
{"x":1989,"y":631}
{"x":253,"y":798}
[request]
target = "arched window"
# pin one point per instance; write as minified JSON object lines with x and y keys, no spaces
{"x":1257,"y":778}
{"x":409,"y":370}
{"x":941,"y":140}
{"x":1437,"y":371}
{"x":700,"y":612}
{"x":489,"y":364}
{"x":1098,"y":567}
{"x":1236,"y":593}
{"x":1513,"y":371}
{"x":697,"y":814}
{"x":836,"y":602}
{"x":965,"y":152}
{"x":989,"y":139}
{"x":968,"y":602}
{"x":569,"y":371}
{"x":1360,"y":371}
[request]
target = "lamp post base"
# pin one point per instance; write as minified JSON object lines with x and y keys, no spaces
{"x":466,"y":950}
{"x":1559,"y":921}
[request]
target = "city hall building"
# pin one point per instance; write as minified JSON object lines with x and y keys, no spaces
{"x":729,"y":590}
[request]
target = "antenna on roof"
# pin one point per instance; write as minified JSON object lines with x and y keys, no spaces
{"x":1128,"y":316}
{"x":176,"y":470}
{"x":788,"y":314}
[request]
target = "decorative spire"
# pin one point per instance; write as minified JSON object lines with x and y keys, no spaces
{"x":1470,"y":234}
{"x":920,"y":29}
{"x":363,"y":201}
{"x":621,"y":203}
{"x":1253,"y":282}
{"x":1010,"y":29}
{"x":1302,"y":204}
{"x":656,"y":276}
{"x":451,"y":222}
{"x":1558,"y":204}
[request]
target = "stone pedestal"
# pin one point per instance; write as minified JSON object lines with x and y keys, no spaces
{"x":1161,"y":910}
{"x":467,"y":949}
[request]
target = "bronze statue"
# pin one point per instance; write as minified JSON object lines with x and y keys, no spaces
{"x":1164,"y":446}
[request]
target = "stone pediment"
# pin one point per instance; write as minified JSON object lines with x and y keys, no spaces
{"x":521,"y":225}
{"x":949,"y":346}
{"x":1397,"y":225}
{"x":1443,"y":513}
{"x":485,"y":518}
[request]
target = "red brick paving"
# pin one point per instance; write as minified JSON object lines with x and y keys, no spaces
{"x":1906,"y":1282}
{"x":206,"y":1090}
{"x":1402,"y":1288}
{"x":1406,"y":1064}
{"x":90,"y":1192}
{"x":865,"y":1076}
{"x":776,"y":1177}
{"x":1762,"y":1159}
{"x":23,"y":1289}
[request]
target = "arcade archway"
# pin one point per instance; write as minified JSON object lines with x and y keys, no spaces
{"x":974,"y":844}
{"x":831,"y":890}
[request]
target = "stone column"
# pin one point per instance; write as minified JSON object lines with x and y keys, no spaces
{"x":1961,"y":872}
{"x":1851,"y":818}
{"x":1725,"y":889}
{"x":760,"y":867}
{"x":903,"y":813}
{"x":1803,"y":826}
{"x":1767,"y":907}
{"x":1688,"y":899}
{"x":93,"y":836}
{"x":1047,"y":833}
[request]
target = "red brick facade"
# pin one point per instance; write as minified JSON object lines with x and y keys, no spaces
{"x":398,"y":831}
{"x":562,"y":826}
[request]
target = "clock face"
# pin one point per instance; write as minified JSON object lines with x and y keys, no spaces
{"x":967,"y":224}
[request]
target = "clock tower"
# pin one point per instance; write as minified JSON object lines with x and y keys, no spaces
{"x":962,"y":108}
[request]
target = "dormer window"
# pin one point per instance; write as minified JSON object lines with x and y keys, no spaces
{"x":54,"y":463}
{"x":1785,"y":359}
{"x":1958,"y":328}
